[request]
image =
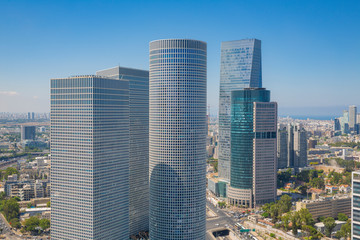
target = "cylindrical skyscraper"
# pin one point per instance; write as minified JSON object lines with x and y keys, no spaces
{"x":177,"y":139}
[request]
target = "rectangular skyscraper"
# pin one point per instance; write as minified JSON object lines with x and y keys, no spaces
{"x":240,"y":68}
{"x":355,"y":206}
{"x":139,"y":143}
{"x":352,"y":118}
{"x":89,"y":158}
{"x":253,"y":148}
{"x":28,"y":133}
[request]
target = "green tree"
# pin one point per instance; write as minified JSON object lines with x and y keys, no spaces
{"x":285,"y":204}
{"x":296,"y":222}
{"x":306,"y":217}
{"x":274,"y":212}
{"x":11,"y":209}
{"x":48,"y":204}
{"x":29,"y":205}
{"x":44,"y":224}
{"x":342,"y":217}
{"x":31,"y":224}
{"x":329,"y":225}
{"x":15,"y":223}
{"x":11,"y":171}
{"x":286,"y":220}
{"x":345,"y":230}
{"x":311,"y":232}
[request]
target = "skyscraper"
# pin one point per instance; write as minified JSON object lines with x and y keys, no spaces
{"x":240,"y":68}
{"x":139,"y":144}
{"x":352,"y":118}
{"x":28,"y":133}
{"x":177,"y":139}
{"x":300,"y":146}
{"x":89,"y":158}
{"x":282,"y":147}
{"x":292,"y":146}
{"x":253,"y":147}
{"x":355,"y":206}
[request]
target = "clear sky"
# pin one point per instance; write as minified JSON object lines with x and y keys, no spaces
{"x":310,"y":49}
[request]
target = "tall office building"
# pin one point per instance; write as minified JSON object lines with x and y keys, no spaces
{"x":344,"y":122}
{"x":282,"y":147}
{"x":352,"y":118}
{"x":240,"y":68}
{"x":253,"y":147}
{"x":300,"y":146}
{"x":337,"y":125}
{"x":139,"y":144}
{"x":29,"y":116}
{"x":292,"y":146}
{"x":177,"y":139}
{"x":89,"y":158}
{"x":28,"y":133}
{"x":355,"y":206}
{"x":33,"y":116}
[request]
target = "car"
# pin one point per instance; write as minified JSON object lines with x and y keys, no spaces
{"x":216,"y":224}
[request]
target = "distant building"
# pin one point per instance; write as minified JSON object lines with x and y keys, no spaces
{"x":300,"y":146}
{"x":282,"y":147}
{"x":337,"y":125}
{"x":312,"y":143}
{"x":355,"y":206}
{"x":28,"y":132}
{"x":33,"y":116}
{"x":253,"y":148}
{"x":292,"y":146}
{"x":352,"y":118}
{"x":29,"y":116}
{"x":344,"y":122}
{"x":326,"y":206}
{"x":240,"y":68}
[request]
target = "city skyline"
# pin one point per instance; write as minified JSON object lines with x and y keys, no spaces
{"x":296,"y":37}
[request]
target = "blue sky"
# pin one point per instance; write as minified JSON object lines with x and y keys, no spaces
{"x":310,"y":49}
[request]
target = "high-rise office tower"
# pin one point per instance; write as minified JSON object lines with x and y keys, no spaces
{"x":253,"y":147}
{"x":29,"y":115}
{"x":240,"y":68}
{"x":177,"y":139}
{"x":355,"y":206}
{"x":28,"y":132}
{"x":89,"y":158}
{"x":282,"y":147}
{"x":300,"y":146}
{"x":352,"y":118}
{"x":344,"y":122}
{"x":292,"y":146}
{"x":32,"y":115}
{"x":337,"y":126}
{"x":139,"y":144}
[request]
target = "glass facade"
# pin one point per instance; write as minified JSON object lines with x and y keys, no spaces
{"x":177,"y":139}
{"x":89,"y":158}
{"x":240,"y":68}
{"x":139,"y":144}
{"x":242,"y":135}
{"x":355,"y":206}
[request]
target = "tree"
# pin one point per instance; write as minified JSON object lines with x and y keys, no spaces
{"x":306,"y":217}
{"x":329,"y":225}
{"x":15,"y":223}
{"x":312,"y":232}
{"x":274,"y":212}
{"x":11,"y":209}
{"x":44,"y":224}
{"x":342,"y":217}
{"x":31,"y":224}
{"x":285,"y":204}
{"x":11,"y":171}
{"x":17,"y":198}
{"x":286,"y":220}
{"x":48,"y":204}
{"x":29,"y":205}
{"x":296,"y":222}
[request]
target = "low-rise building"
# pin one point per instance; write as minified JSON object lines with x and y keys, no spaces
{"x":326,"y":206}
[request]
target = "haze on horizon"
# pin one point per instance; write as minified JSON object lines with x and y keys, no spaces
{"x":310,"y":50}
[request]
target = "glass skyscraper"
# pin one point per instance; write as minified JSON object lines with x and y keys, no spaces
{"x":355,"y":206}
{"x":177,"y":139}
{"x":253,"y":147}
{"x":139,"y":144}
{"x":240,"y":68}
{"x":89,"y":158}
